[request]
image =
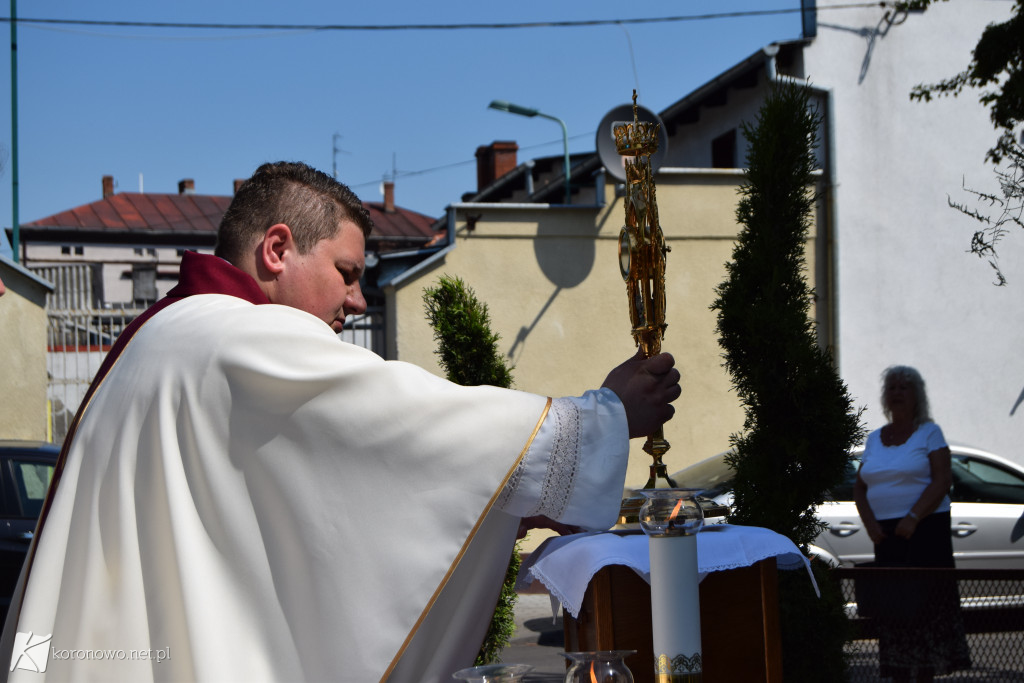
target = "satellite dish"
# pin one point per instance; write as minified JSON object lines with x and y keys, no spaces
{"x":610,"y":157}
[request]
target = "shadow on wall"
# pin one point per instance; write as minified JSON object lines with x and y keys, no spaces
{"x":889,"y":19}
{"x":524,"y":332}
{"x":565,"y":261}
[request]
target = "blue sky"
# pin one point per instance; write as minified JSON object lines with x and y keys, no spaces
{"x":212,"y":105}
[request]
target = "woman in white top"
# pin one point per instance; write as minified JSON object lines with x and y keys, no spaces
{"x":902,"y":495}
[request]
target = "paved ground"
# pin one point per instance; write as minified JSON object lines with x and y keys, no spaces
{"x":538,"y":640}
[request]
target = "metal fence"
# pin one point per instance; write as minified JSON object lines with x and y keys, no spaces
{"x":79,"y":333}
{"x":77,"y":342}
{"x":987,"y":603}
{"x":366,"y":330}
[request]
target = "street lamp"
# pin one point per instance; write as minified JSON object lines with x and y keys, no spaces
{"x":502,"y":105}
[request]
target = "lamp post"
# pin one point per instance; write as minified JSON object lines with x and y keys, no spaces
{"x":16,"y":227}
{"x":502,"y":105}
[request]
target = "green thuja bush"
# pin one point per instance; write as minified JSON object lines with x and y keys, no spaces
{"x":799,"y":420}
{"x":503,"y":623}
{"x":468,"y":352}
{"x":467,"y":349}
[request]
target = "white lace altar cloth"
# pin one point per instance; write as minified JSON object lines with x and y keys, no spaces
{"x":566,"y":564}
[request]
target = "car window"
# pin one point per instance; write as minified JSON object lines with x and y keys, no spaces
{"x":712,"y":476}
{"x":844,"y":491}
{"x":979,"y":481}
{"x":31,"y":479}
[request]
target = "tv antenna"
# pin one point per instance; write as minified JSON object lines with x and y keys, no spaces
{"x":334,"y":153}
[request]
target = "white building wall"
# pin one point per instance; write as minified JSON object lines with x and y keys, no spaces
{"x":907,"y":291}
{"x":117,"y":261}
{"x":692,"y":147}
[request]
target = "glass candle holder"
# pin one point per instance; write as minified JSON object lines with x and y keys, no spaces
{"x":671,"y":512}
{"x":493,"y":673}
{"x":606,"y":666}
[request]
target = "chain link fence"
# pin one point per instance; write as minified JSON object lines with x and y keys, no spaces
{"x":898,"y":607}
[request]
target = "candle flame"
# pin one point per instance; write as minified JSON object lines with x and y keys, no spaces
{"x":593,"y":676}
{"x":675,"y":511}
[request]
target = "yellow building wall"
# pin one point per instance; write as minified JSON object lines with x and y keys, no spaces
{"x":551,"y":281}
{"x":23,"y":345}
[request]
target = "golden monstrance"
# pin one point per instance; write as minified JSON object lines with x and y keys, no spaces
{"x":642,"y":252}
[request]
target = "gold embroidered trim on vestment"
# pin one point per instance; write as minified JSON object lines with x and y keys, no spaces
{"x":465,"y":545}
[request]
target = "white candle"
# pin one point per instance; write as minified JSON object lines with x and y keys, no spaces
{"x":675,"y":608}
{"x":671,"y":519}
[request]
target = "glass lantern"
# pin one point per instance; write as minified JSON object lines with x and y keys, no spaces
{"x":608,"y":666}
{"x":493,"y":673}
{"x":671,"y":512}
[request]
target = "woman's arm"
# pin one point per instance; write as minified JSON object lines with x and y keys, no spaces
{"x":942,"y":478}
{"x":867,"y":515}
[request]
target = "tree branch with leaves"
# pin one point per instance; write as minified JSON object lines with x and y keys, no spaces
{"x":997,"y":70}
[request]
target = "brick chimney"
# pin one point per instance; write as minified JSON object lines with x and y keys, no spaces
{"x":108,"y":186}
{"x":389,"y":196}
{"x":186,"y":186}
{"x":494,"y":161}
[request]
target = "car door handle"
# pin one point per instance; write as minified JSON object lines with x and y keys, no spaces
{"x":964,"y":529}
{"x":844,"y":529}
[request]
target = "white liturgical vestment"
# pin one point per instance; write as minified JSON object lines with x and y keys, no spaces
{"x":247,"y":498}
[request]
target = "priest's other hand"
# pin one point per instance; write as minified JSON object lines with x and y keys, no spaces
{"x":541,"y":522}
{"x":646,"y":387}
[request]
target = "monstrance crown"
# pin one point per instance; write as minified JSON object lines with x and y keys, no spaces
{"x":636,"y":138}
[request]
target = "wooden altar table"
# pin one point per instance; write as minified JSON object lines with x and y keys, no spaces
{"x":739,"y":622}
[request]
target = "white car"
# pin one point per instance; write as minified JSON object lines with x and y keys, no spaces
{"x":987,"y":510}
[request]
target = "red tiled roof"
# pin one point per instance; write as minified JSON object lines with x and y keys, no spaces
{"x":142,"y":212}
{"x":199,"y":213}
{"x":400,"y":223}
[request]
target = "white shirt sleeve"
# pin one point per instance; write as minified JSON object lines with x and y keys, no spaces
{"x":934,"y":439}
{"x":575,"y":469}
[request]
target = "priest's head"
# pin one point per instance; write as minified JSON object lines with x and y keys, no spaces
{"x":301,"y":235}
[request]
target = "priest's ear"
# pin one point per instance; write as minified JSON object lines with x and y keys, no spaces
{"x":277,"y":241}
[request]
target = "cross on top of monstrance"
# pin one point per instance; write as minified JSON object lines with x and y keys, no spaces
{"x":642,"y":251}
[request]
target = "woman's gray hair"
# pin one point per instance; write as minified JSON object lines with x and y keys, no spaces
{"x":913,"y":377}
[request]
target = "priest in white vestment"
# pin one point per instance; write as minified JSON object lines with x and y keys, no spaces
{"x":244,"y":497}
